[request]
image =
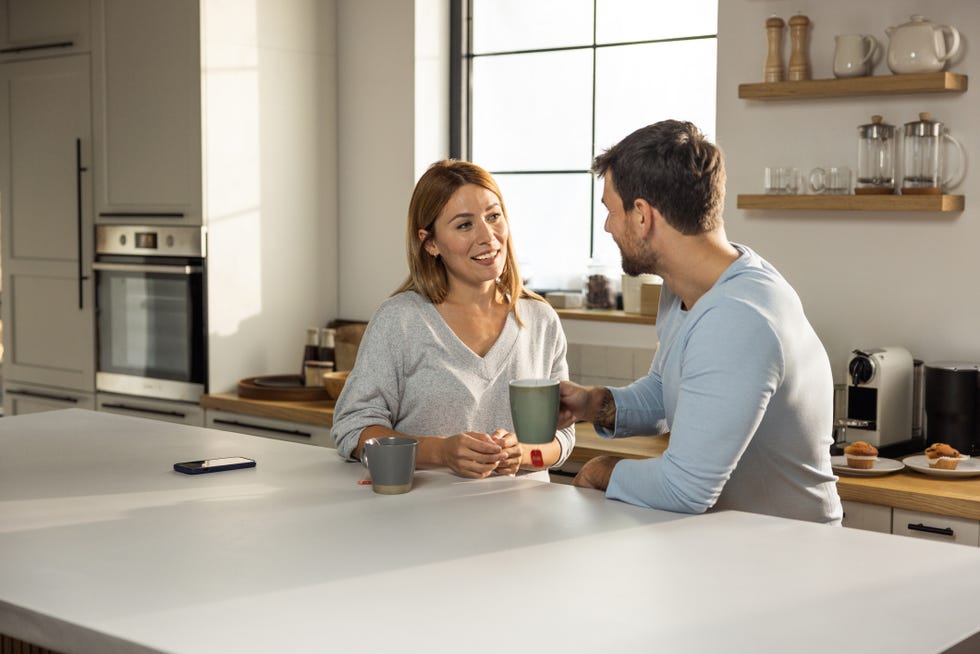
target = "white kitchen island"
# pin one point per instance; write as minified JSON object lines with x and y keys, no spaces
{"x":104,"y":548}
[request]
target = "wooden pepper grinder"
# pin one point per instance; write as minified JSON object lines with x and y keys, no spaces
{"x":799,"y":60}
{"x":773,"y":71}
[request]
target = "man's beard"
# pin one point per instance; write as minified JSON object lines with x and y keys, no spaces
{"x":638,"y":261}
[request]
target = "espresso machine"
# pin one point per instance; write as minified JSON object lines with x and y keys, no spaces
{"x":881,"y":399}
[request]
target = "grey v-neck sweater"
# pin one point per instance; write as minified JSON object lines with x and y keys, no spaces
{"x":414,"y":375}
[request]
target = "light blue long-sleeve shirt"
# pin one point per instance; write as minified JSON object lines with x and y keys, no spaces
{"x":744,"y":386}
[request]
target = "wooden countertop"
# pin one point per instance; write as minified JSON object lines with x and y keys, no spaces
{"x":311,"y":413}
{"x":604,"y":315}
{"x":913,"y":491}
{"x":909,"y":490}
{"x":589,"y":444}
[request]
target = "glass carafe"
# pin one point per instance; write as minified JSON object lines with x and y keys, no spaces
{"x":924,"y":160}
{"x":876,"y":158}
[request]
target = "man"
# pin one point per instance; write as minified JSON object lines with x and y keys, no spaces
{"x":740,"y":379}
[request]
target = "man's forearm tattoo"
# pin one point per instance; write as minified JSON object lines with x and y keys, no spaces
{"x":606,"y":416}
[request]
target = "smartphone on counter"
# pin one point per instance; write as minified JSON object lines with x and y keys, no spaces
{"x":214,"y":465}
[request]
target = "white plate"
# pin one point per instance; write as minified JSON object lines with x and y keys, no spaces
{"x":966,"y":468}
{"x":881,"y":467}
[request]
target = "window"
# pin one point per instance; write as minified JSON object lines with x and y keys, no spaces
{"x":548,"y":84}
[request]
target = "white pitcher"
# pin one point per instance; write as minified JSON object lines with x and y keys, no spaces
{"x":919,"y":46}
{"x":854,"y":54}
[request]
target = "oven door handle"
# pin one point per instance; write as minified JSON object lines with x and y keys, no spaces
{"x":142,"y":268}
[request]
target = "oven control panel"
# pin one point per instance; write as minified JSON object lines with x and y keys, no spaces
{"x":143,"y":240}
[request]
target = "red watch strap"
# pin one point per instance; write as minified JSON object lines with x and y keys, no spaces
{"x":536,"y":459}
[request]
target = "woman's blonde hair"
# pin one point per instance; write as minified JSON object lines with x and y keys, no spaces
{"x":427,"y":274}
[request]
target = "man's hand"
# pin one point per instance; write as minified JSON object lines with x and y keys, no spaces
{"x":596,"y":472}
{"x":590,"y":403}
{"x":574,"y":404}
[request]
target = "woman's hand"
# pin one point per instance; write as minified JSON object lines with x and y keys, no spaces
{"x":509,"y":445}
{"x":473,"y":454}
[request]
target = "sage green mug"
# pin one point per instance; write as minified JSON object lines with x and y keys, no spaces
{"x":534,"y":409}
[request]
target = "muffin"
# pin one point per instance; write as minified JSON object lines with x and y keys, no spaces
{"x":943,"y":456}
{"x":861,"y":455}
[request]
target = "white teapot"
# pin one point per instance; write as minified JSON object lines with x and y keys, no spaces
{"x":919,"y":46}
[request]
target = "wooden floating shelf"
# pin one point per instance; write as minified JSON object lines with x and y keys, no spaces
{"x":941,"y":82}
{"x":853,"y":202}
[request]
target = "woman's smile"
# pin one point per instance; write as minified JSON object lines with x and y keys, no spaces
{"x":470,"y":236}
{"x":487,"y":258}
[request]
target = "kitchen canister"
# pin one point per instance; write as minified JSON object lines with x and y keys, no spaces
{"x":632,"y":288}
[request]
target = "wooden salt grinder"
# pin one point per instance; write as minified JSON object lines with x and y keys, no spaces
{"x":799,"y":61}
{"x":773,"y":71}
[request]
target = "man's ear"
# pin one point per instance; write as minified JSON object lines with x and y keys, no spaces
{"x":427,"y":243}
{"x":643,"y":213}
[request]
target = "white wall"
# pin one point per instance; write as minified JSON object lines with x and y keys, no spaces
{"x":392,"y":88}
{"x":866,"y":279}
{"x":269,"y":92}
{"x":431,"y":84}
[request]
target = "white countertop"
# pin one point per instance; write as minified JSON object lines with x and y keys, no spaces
{"x":103,"y":547}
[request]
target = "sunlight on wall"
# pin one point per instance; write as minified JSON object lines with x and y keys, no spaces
{"x":233,"y":173}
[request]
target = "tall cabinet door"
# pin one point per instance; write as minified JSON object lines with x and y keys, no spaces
{"x":47,"y":233}
{"x":43,"y":28}
{"x":147,"y":103}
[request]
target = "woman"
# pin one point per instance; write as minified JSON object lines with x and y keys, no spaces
{"x":437,"y":357}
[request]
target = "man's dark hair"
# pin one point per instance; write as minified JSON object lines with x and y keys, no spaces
{"x":672,"y":166}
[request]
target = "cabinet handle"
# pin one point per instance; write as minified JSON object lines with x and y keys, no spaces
{"x":941,"y":531}
{"x":141,"y":214}
{"x":79,"y":169}
{"x":275,"y":430}
{"x":43,"y":396}
{"x":140,"y":409}
{"x":40,"y":46}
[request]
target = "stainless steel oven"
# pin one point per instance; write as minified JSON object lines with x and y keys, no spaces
{"x":151,"y":311}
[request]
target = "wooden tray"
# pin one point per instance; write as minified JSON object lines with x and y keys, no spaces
{"x":280,"y":388}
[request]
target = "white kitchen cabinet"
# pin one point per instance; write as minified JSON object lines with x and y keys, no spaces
{"x":870,"y":517}
{"x":20,"y":398}
{"x":147,"y":111}
{"x":181,"y":413}
{"x":917,"y":524}
{"x":30,"y":29}
{"x":297,"y":432}
{"x":259,"y":88}
{"x":936,"y":527}
{"x":45,"y":202}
